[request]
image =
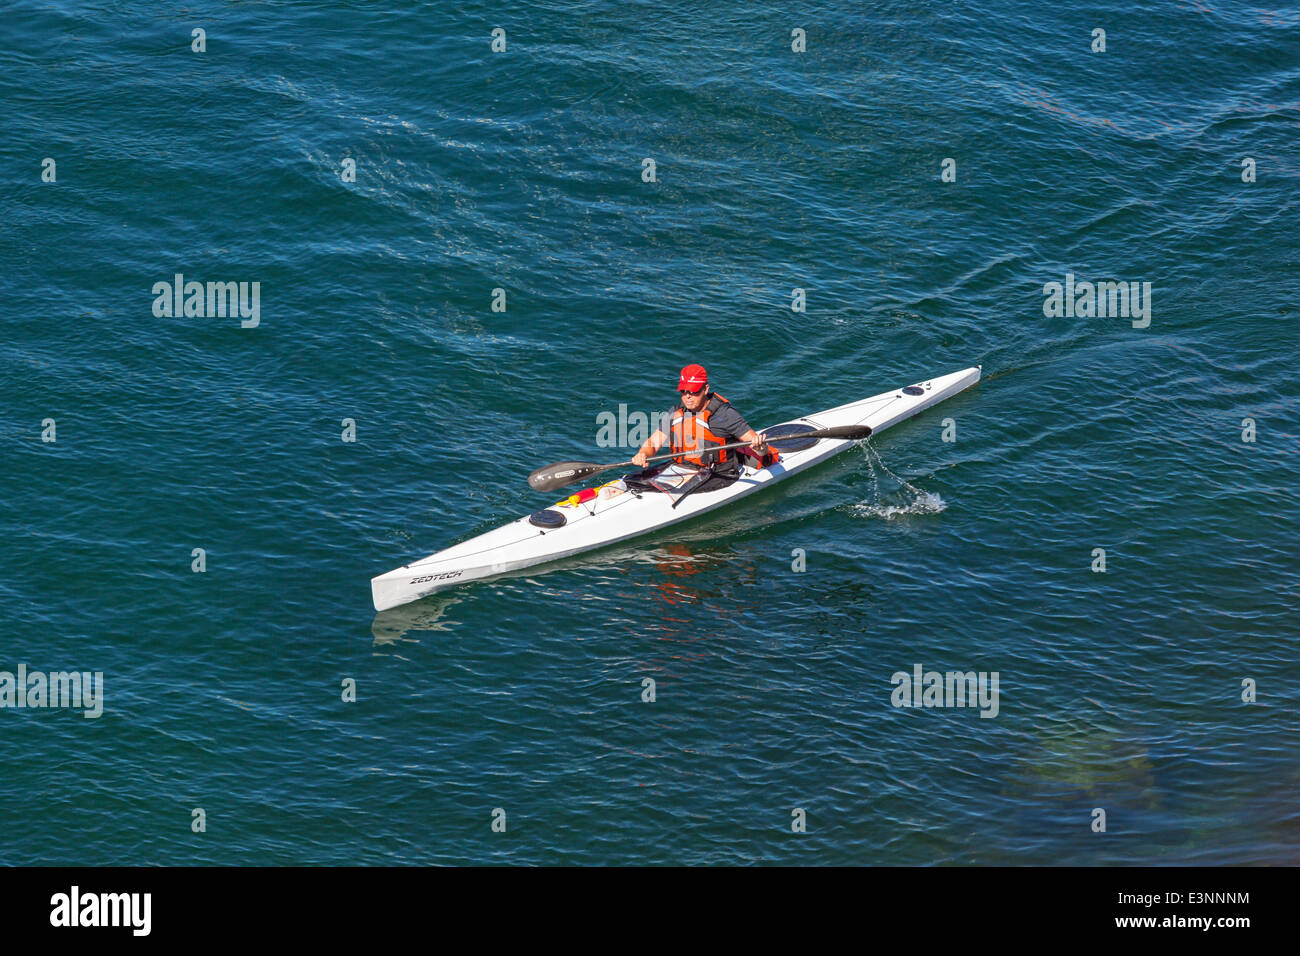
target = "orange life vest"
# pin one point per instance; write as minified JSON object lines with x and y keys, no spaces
{"x":691,"y":438}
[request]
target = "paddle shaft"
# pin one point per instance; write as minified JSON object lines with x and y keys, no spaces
{"x":818,"y":433}
{"x":546,"y":479}
{"x":736,"y":444}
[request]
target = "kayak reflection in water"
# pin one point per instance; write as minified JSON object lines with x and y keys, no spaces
{"x":703,"y":421}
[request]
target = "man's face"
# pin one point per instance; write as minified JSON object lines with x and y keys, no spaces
{"x":693,"y":400}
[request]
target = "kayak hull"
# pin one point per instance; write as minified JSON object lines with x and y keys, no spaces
{"x":603,"y":521}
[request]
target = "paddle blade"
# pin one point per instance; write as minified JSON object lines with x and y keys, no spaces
{"x":853,"y":432}
{"x":800,"y":440}
{"x":562,"y":473}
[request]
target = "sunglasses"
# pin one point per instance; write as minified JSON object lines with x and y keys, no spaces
{"x":685,"y":391}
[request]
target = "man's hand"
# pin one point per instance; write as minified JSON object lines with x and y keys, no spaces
{"x":649,"y":447}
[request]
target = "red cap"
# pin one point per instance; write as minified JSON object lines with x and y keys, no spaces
{"x":693,"y":379}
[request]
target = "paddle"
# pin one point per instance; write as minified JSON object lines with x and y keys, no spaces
{"x":567,"y":472}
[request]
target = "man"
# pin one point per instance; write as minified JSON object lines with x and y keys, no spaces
{"x":702,"y":422}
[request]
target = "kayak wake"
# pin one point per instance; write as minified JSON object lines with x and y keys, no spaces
{"x":920,"y":501}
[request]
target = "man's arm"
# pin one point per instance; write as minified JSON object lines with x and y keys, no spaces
{"x":731,"y":422}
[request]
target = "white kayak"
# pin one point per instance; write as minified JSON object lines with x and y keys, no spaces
{"x":618,"y":512}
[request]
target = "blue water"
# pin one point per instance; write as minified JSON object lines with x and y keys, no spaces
{"x":522,"y":171}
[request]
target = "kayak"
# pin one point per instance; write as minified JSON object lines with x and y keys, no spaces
{"x":618,"y":510}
